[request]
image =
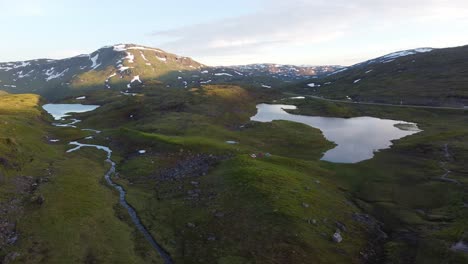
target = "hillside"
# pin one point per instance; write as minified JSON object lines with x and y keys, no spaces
{"x":185,"y":159}
{"x":189,"y":186}
{"x":116,"y":67}
{"x":45,"y":195}
{"x":126,"y":66}
{"x":436,"y":77}
{"x":285,"y":72}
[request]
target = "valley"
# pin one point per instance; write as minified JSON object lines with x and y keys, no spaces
{"x":171,"y":168}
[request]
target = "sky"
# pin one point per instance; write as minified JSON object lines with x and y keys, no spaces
{"x":312,"y":32}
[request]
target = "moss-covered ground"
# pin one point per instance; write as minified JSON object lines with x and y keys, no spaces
{"x":267,"y":198}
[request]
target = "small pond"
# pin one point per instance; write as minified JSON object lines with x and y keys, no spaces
{"x":59,"y":111}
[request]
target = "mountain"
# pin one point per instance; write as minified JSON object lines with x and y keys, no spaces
{"x":285,"y":72}
{"x":126,"y":66}
{"x":195,"y":174}
{"x":119,"y":67}
{"x":421,"y":76}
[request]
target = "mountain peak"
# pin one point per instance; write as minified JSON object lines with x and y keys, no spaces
{"x":126,"y":47}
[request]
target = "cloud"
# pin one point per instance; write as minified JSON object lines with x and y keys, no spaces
{"x":252,"y":32}
{"x":287,"y":24}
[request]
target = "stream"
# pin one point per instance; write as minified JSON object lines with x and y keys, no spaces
{"x":108,"y":176}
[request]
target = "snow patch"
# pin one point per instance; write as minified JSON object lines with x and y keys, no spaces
{"x":10,"y":66}
{"x":223,"y":74}
{"x":143,"y":48}
{"x":143,"y":56}
{"x":108,"y":79}
{"x":404,"y":53}
{"x":164,"y":59}
{"x":122,"y":68}
{"x":119,"y":48}
{"x":94,"y":61}
{"x":21,"y":75}
{"x":129,"y":94}
{"x":130,"y":57}
{"x":53,"y":75}
{"x":136,"y":78}
{"x":338,"y":71}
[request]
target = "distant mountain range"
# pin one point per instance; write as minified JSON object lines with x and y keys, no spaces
{"x":287,"y":72}
{"x":424,"y":76}
{"x":127,"y":66}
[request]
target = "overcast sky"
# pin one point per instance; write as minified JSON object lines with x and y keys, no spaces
{"x":213,"y":32}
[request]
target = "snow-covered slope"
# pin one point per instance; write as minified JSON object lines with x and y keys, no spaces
{"x":285,"y":72}
{"x":386,"y":58}
{"x":126,"y":67}
{"x":109,"y":67}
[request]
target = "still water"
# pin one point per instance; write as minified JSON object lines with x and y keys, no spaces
{"x":357,"y":138}
{"x":59,"y":111}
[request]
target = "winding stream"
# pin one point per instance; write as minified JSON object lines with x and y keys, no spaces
{"x":108,"y":176}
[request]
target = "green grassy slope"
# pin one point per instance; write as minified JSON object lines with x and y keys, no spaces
{"x":199,"y":195}
{"x":403,"y":187}
{"x":55,"y":207}
{"x":435,"y":78}
{"x":207,"y":201}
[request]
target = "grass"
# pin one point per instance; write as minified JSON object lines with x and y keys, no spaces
{"x":77,"y":222}
{"x":207,"y":201}
{"x":401,"y":182}
{"x":434,"y":78}
{"x":396,"y":186}
{"x":259,"y":201}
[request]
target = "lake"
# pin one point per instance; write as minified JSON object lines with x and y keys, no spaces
{"x":59,"y":111}
{"x":357,"y":138}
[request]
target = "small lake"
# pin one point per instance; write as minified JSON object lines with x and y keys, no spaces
{"x":59,"y":111}
{"x":357,"y":138}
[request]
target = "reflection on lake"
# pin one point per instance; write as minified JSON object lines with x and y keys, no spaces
{"x":59,"y":111}
{"x":357,"y":138}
